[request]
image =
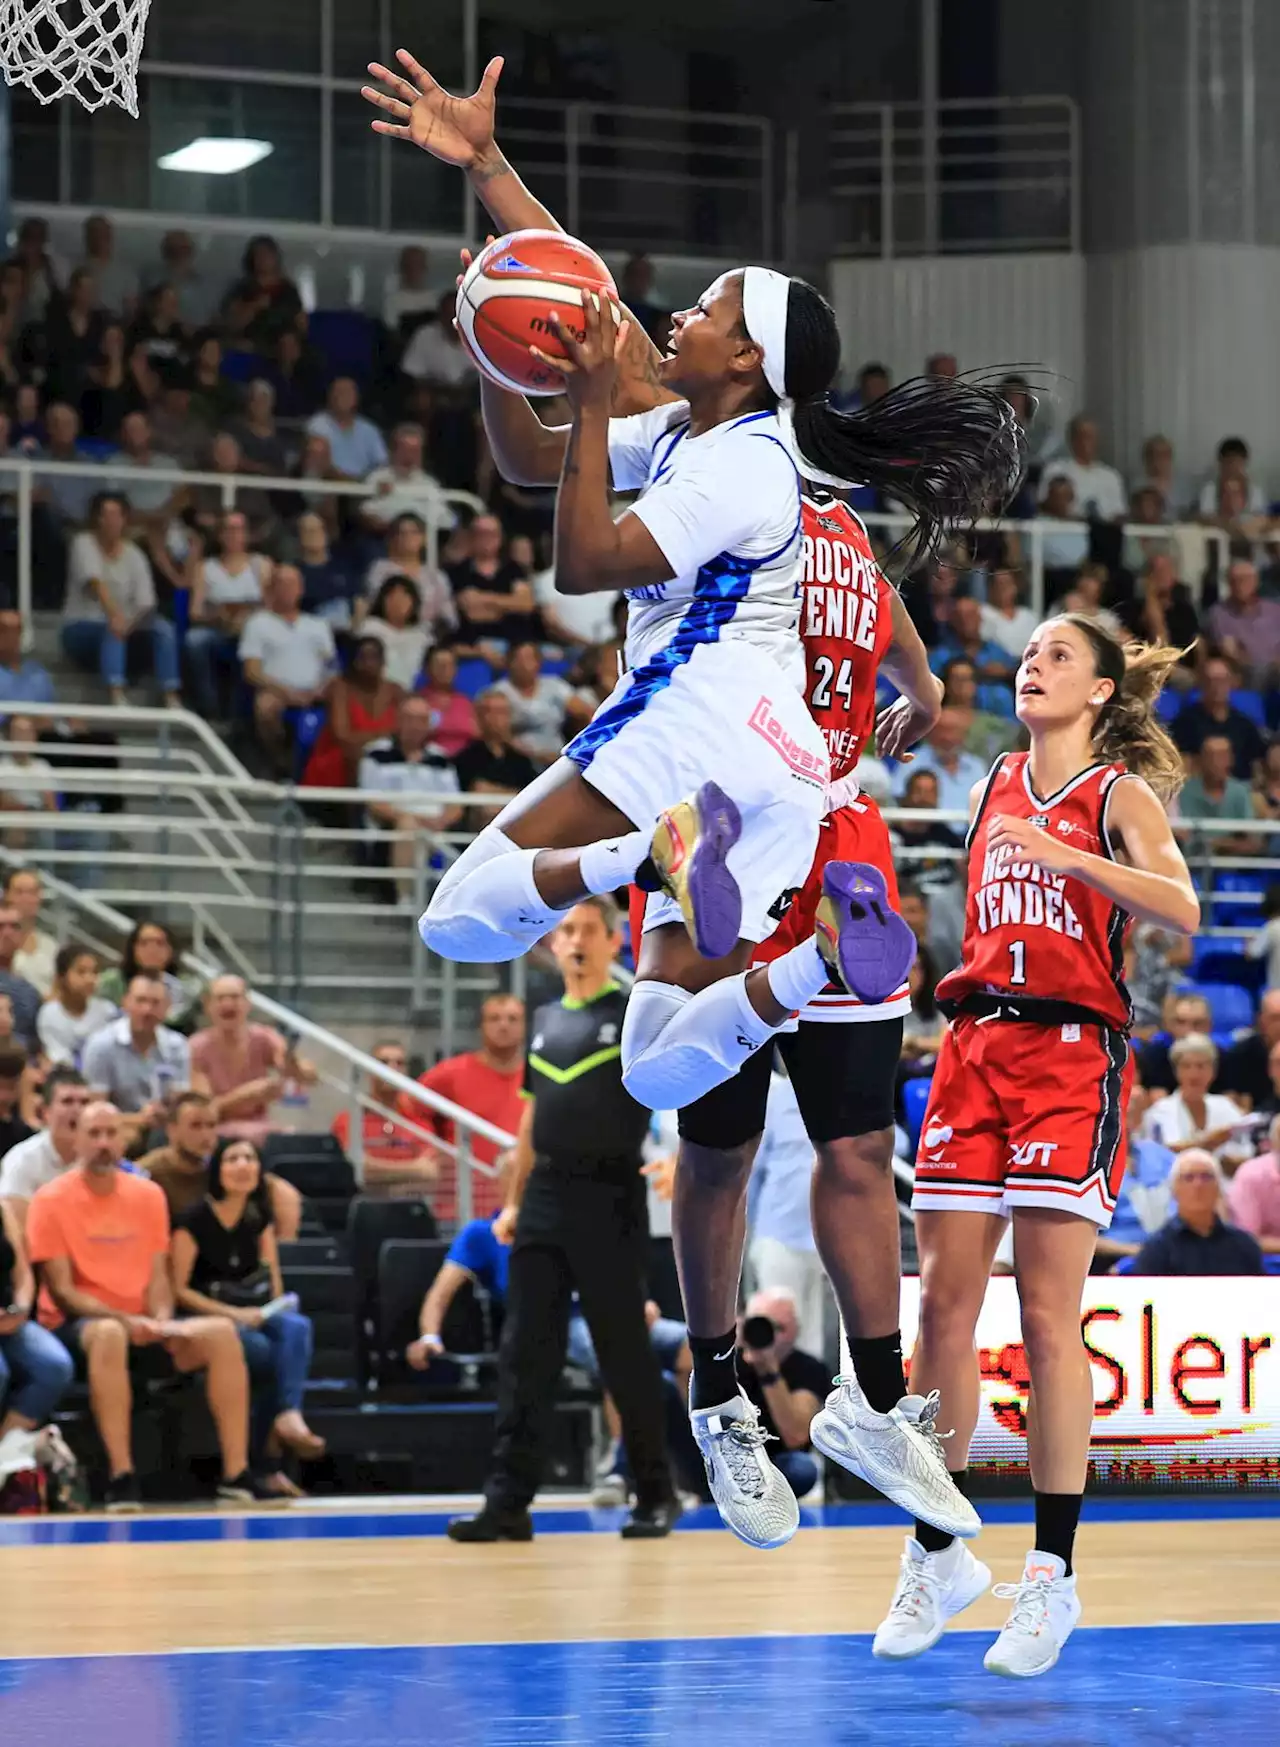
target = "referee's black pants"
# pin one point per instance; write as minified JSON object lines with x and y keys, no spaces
{"x":592,"y":1234}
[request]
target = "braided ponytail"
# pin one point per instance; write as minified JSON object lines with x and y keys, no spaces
{"x":1127,"y":730}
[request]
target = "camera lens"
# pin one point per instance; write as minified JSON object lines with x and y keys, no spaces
{"x":758,"y":1332}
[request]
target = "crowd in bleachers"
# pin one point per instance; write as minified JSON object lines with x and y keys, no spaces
{"x":411,"y":644}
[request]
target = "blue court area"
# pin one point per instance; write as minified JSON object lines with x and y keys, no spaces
{"x":1137,"y":1687}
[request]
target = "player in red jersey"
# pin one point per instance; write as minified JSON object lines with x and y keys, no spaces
{"x":841,"y":1053}
{"x":1026,"y":1116}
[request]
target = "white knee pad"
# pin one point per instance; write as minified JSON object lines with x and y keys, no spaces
{"x":486,"y":909}
{"x":682,"y":1046}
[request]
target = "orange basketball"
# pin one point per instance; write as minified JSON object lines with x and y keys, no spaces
{"x":505,"y":297}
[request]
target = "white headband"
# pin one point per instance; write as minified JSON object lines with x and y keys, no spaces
{"x":764,"y":315}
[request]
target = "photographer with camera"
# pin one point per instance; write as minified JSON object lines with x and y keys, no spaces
{"x":787,"y":1384}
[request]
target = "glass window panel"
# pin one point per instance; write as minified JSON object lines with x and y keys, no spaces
{"x":113,"y":158}
{"x":33,"y":150}
{"x":236,"y":33}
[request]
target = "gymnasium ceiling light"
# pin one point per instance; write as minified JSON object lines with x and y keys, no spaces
{"x":216,"y":157}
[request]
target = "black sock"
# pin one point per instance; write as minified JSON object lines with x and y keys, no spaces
{"x":937,"y":1540}
{"x":1057,"y":1514}
{"x":877,"y":1364}
{"x":715,"y":1370}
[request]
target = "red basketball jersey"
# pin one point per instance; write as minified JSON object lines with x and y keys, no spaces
{"x":846,"y":624}
{"x":1047,"y":937}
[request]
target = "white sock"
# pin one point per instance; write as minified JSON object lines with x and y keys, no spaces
{"x":676,"y":1046}
{"x":799,"y":975}
{"x":486,"y":909}
{"x":605,"y":866}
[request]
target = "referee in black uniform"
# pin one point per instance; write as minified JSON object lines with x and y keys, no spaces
{"x":583,"y":1223}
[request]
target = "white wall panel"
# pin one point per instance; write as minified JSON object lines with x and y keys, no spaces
{"x":987,"y":309}
{"x":1182,"y":339}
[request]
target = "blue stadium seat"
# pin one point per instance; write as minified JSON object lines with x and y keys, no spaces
{"x":1222,"y":1041}
{"x":915,"y":1096}
{"x":474,"y":674}
{"x":1244,"y":912}
{"x":348,"y":339}
{"x":1230,"y":1005}
{"x":1222,"y":961}
{"x":1124,"y":1265}
{"x":242,"y":366}
{"x":1249,"y":703}
{"x":1168,"y":704}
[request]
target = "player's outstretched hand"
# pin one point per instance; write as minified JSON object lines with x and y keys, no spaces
{"x":457,"y":130}
{"x":899,"y":727}
{"x":1041,"y":848}
{"x":591,"y":368}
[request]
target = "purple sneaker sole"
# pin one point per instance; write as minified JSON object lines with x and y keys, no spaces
{"x":714,"y":896}
{"x":876,"y":947}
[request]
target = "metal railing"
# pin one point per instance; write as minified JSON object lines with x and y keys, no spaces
{"x":626,"y":175}
{"x":89,"y":918}
{"x":1031,"y":535}
{"x":966,"y":177}
{"x":119,"y":475}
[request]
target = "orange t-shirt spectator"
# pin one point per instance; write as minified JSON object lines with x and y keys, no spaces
{"x":487,"y":1081}
{"x":110,"y":1236}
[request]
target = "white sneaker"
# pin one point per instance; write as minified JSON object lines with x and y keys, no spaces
{"x":1046,"y":1609}
{"x":611,"y":1490}
{"x":752,"y":1496}
{"x":899,"y":1453}
{"x":932,"y":1589}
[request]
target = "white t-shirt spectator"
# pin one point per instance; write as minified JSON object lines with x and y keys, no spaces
{"x":587,"y":617}
{"x":399,"y":300}
{"x":537,"y":722}
{"x":143,"y":497}
{"x":1063,"y":547}
{"x":1099,"y":489}
{"x":427,"y":784}
{"x":63,"y":1035}
{"x":1169,"y":1121}
{"x":127,"y":577}
{"x":297,"y":653}
{"x":26,"y":785}
{"x":29,"y":1166}
{"x":356,"y":449}
{"x":413,"y":494}
{"x":39,"y":964}
{"x":405,"y":648}
{"x":234,"y":588}
{"x":432,"y":357}
{"x":1012,"y":635}
{"x":1207,"y":505}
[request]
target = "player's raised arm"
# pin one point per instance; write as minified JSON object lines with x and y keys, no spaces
{"x":460,"y":131}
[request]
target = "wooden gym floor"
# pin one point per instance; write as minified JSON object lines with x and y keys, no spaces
{"x":360,"y":1623}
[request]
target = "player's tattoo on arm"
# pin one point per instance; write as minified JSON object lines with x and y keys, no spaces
{"x":570,"y":469}
{"x":490,"y":170}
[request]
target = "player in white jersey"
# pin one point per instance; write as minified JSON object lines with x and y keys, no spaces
{"x":708,"y":555}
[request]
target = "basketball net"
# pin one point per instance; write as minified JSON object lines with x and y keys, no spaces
{"x":86,"y":49}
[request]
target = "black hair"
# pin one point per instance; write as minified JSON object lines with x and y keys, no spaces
{"x":408,"y":516}
{"x":397,"y":581}
{"x":129,"y":966}
{"x":947,"y":449}
{"x":259,"y":1199}
{"x":67,"y":956}
{"x":1271,"y":902}
{"x":366,"y":643}
{"x":255,"y":243}
{"x":1233,"y":446}
{"x":949,"y":669}
{"x":62,"y":1075}
{"x":100,"y":498}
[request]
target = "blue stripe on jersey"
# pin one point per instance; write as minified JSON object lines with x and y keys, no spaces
{"x":722,"y":586}
{"x":666,"y":463}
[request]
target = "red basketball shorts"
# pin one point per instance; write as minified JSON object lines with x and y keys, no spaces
{"x":1026,"y":1116}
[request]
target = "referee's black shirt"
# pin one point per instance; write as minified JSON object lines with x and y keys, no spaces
{"x":582,"y":1110}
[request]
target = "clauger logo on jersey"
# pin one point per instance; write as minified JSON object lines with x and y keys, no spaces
{"x":809,"y":766}
{"x":1015,"y":892}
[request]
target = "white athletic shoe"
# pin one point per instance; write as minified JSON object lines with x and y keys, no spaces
{"x":611,"y":1491}
{"x":932,"y":1589}
{"x":899,"y":1453}
{"x":1046,"y":1609}
{"x":752,"y":1496}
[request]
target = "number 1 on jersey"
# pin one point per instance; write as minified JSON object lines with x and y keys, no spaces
{"x":1018,"y":953}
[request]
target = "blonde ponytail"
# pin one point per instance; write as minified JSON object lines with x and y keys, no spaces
{"x":1128,"y":730}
